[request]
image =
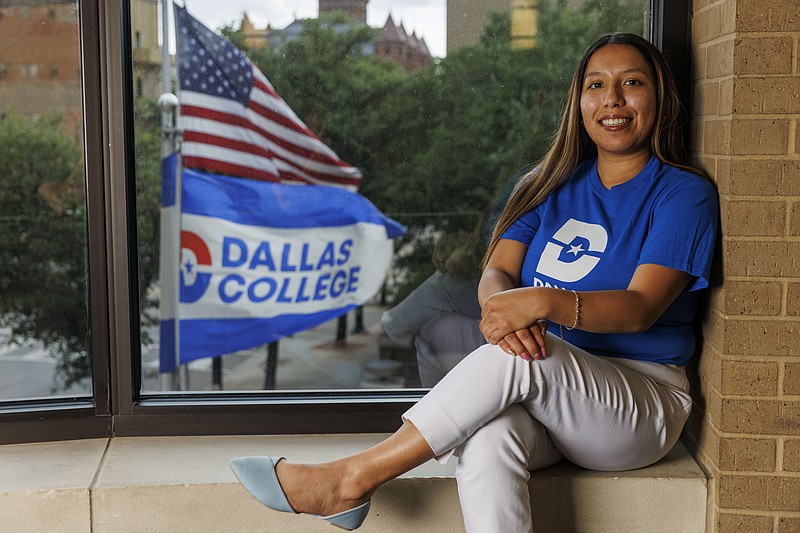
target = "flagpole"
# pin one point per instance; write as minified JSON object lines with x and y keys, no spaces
{"x":182,"y":378}
{"x":170,"y":224}
{"x":166,"y":63}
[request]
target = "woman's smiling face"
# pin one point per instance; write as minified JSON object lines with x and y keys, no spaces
{"x":618,"y":101}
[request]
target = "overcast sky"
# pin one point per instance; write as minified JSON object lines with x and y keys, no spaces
{"x":426,"y":17}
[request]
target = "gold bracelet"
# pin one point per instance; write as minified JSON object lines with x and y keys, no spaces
{"x":577,"y":315}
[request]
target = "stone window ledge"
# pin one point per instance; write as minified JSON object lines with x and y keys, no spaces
{"x":184,"y":484}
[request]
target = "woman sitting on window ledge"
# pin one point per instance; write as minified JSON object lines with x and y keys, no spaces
{"x":606,"y":244}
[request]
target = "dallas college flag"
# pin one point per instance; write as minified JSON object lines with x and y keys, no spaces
{"x":235,"y":123}
{"x":259,"y":259}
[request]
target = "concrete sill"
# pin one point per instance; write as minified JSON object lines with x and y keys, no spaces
{"x":180,"y":484}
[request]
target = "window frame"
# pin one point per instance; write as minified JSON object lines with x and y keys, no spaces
{"x":78,"y":417}
{"x":117,"y":408}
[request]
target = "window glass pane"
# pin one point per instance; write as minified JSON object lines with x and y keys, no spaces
{"x":44,"y":326}
{"x":428,"y":108}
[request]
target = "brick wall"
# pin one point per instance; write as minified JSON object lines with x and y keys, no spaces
{"x":40,"y":64}
{"x":745,"y":116}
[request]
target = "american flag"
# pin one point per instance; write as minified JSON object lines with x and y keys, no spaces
{"x":235,"y":123}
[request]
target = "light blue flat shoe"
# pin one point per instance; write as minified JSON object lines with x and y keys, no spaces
{"x":257,"y":475}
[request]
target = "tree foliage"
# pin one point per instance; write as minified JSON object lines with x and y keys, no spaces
{"x":43,"y":252}
{"x":147,"y":178}
{"x":43,"y":271}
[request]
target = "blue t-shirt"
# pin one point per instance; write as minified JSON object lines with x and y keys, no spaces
{"x":585,"y":237}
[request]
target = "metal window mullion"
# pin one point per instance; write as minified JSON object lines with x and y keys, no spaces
{"x":113,"y":30}
{"x":92,"y":115}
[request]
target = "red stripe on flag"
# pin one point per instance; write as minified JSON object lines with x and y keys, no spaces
{"x":221,"y":167}
{"x":244,"y":147}
{"x":236,"y":120}
{"x":225,"y":142}
{"x":284,"y":121}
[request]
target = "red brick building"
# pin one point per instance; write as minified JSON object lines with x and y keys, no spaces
{"x":355,"y":9}
{"x":393,"y":42}
{"x":40,"y":59}
{"x":409,"y":51}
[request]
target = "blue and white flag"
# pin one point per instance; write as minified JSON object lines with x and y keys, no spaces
{"x":260,"y":261}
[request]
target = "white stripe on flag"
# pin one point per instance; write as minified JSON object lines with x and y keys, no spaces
{"x":277,"y":104}
{"x":228,"y":131}
{"x":228,"y":155}
{"x":231,"y":107}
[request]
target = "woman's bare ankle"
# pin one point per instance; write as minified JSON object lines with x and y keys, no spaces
{"x":355,"y":483}
{"x":337,"y":489}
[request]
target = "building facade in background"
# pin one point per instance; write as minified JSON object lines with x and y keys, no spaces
{"x":355,"y":9}
{"x":392,"y":42}
{"x":145,"y":49}
{"x":40,"y":72}
{"x":408,"y":51}
{"x":39,"y":69}
{"x":467,"y":18}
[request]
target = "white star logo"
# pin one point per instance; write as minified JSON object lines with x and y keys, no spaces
{"x":575,"y":250}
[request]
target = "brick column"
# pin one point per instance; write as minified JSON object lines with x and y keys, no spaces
{"x":745,"y":114}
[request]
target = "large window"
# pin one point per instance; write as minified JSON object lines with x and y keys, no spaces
{"x":315,"y":275}
{"x":44,"y":311}
{"x":437,"y":112}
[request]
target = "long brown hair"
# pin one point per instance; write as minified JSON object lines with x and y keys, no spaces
{"x":572,"y":145}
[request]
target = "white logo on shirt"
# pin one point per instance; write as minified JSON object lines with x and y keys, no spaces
{"x":573,"y":252}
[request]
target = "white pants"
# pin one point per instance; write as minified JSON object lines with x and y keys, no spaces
{"x":502,"y":417}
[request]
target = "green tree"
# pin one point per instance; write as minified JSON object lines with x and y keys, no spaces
{"x":43,"y":265}
{"x":147,"y":178}
{"x":43,"y":269}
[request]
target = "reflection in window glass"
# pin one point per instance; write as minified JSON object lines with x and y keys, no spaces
{"x":436,"y":105}
{"x":44,"y":326}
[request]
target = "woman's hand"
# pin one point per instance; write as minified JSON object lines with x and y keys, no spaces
{"x":510,"y":321}
{"x":526,"y":343}
{"x":508,"y":315}
{"x":507,"y":312}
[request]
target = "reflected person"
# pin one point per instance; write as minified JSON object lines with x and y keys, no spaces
{"x":441,"y":317}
